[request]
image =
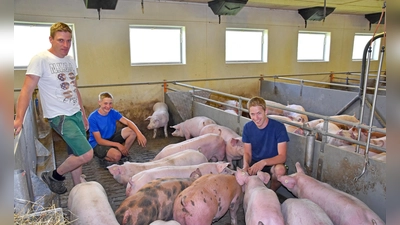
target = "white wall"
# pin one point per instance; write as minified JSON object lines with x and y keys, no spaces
{"x":103,"y":45}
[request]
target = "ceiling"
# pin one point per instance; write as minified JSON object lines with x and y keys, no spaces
{"x":358,"y":7}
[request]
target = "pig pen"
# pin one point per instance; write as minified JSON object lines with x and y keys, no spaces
{"x":341,"y":169}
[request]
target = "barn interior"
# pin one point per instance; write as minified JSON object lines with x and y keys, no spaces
{"x":199,"y":86}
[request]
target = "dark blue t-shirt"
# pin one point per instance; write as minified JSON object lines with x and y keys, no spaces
{"x":264,"y":142}
{"x":106,"y":125}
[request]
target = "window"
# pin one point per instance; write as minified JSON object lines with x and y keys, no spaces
{"x":246,"y":45}
{"x":360,"y":41}
{"x":313,"y":46}
{"x":157,"y":45}
{"x":32,"y":38}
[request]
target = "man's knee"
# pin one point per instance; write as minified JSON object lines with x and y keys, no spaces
{"x":87,"y":156}
{"x":279,"y":170}
{"x":114,"y":155}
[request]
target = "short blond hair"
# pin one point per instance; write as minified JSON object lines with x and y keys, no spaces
{"x":59,"y":27}
{"x":256,"y":101}
{"x":104,"y":95}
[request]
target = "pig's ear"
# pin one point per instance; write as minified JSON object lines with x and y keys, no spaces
{"x":221,"y":167}
{"x":148,"y":118}
{"x":340,"y":132}
{"x":175,"y":126}
{"x":264,"y":177}
{"x":234,"y":141}
{"x":240,"y":176}
{"x":114,"y":169}
{"x":298,"y":168}
{"x":127,"y":216}
{"x":131,"y":183}
{"x":287,"y":181}
{"x":196,"y":174}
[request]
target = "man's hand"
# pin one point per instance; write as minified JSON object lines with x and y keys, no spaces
{"x":17,"y":127}
{"x":256,"y":167}
{"x":123,"y":150}
{"x":141,"y":140}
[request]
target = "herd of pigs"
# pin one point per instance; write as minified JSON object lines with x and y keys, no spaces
{"x":193,"y":182}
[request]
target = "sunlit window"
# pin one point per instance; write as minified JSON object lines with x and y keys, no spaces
{"x":31,"y":39}
{"x":246,"y":45}
{"x":360,"y":41}
{"x":313,"y":46}
{"x":157,"y":45}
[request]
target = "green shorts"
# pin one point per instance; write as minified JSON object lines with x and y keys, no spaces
{"x":72,"y":130}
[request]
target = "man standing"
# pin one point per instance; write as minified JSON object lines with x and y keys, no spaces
{"x":265,"y":141}
{"x":55,"y":73}
{"x":107,"y":142}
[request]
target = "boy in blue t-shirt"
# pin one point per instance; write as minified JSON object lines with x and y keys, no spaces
{"x":109,"y":143}
{"x":265,"y":142}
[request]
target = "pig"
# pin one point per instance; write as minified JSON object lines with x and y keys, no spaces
{"x":333,"y":129}
{"x":289,"y":128}
{"x":138,"y":180}
{"x":234,"y":145}
{"x":89,"y":204}
{"x":159,"y":118}
{"x":122,"y":173}
{"x":155,"y":201}
{"x":160,"y":222}
{"x":271,"y":110}
{"x":342,"y":208}
{"x":261,"y":204}
{"x":232,"y":109}
{"x":211,"y":145}
{"x":347,"y":118}
{"x":303,"y":212}
{"x":381,"y":142}
{"x":208,"y":199}
{"x":381,"y":157}
{"x":314,"y":123}
{"x":191,"y":127}
{"x":298,"y":117}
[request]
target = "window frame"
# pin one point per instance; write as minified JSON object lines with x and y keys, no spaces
{"x":182,"y":46}
{"x":72,"y":51}
{"x":326,"y":46}
{"x":375,"y":49}
{"x":264,"y":45}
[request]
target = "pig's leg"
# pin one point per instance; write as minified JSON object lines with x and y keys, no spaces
{"x":233,"y":208}
{"x":154,"y":132}
{"x":165,"y":131}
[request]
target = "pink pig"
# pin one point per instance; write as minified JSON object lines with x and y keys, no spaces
{"x":122,"y":173}
{"x":342,"y":208}
{"x":191,"y":127}
{"x":233,"y":141}
{"x":208,"y":199}
{"x":89,"y":204}
{"x":274,"y":111}
{"x":260,"y":204}
{"x":138,"y":180}
{"x":301,"y":211}
{"x":211,"y":145}
{"x":333,"y":129}
{"x":298,"y":117}
{"x":159,"y":118}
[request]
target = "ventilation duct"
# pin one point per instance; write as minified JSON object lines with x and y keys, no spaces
{"x":100,"y":4}
{"x":226,"y":7}
{"x":373,"y":18}
{"x":315,"y":13}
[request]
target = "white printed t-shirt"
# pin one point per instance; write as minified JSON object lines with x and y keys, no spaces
{"x":57,"y":87}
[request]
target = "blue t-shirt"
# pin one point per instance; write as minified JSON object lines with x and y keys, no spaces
{"x":264,"y":142}
{"x":106,"y":125}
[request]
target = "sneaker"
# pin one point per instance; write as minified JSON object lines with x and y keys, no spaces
{"x":124,"y":159}
{"x":55,"y":186}
{"x":104,"y":163}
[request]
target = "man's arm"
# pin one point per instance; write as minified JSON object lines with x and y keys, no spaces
{"x":140,"y":137}
{"x":84,"y":117}
{"x":246,"y":156}
{"x":24,"y":98}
